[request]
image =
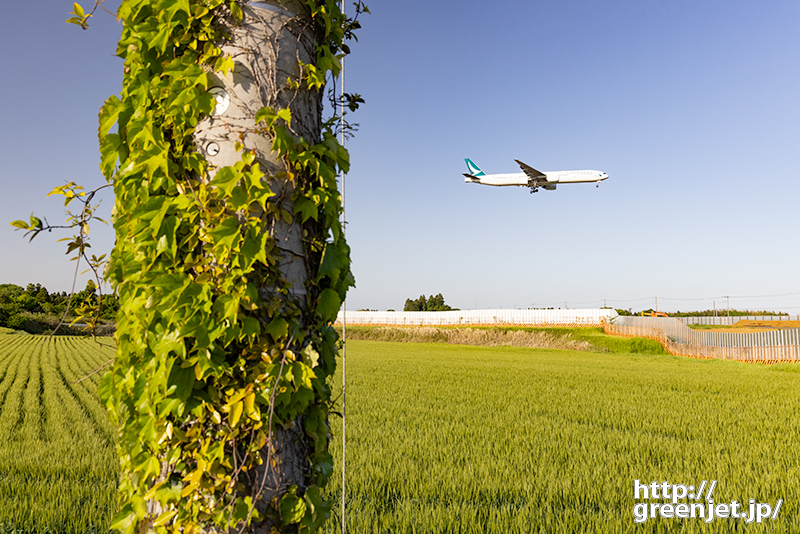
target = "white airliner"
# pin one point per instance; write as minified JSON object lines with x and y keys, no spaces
{"x":532,"y":178}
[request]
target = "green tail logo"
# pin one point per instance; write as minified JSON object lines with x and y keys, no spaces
{"x":474,"y":170}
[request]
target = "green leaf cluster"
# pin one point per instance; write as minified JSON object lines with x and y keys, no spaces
{"x":432,"y":303}
{"x":215,"y":355}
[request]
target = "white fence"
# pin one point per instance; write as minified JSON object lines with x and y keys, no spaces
{"x":677,"y":338}
{"x":590,"y":317}
{"x":676,"y":331}
{"x":727,"y":321}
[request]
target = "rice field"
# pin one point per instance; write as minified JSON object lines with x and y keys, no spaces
{"x":58,"y":464}
{"x":460,"y":439}
{"x":451,"y":438}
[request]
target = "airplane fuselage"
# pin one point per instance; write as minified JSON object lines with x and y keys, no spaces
{"x":530,"y":177}
{"x":551,"y":177}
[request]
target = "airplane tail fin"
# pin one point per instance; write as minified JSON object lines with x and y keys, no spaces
{"x":474,"y":170}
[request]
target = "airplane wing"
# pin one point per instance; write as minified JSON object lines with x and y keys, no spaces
{"x":532,"y":173}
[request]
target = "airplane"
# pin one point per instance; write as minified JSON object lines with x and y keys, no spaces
{"x":530,"y":177}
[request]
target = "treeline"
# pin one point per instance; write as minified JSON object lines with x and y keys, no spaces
{"x":37,"y":311}
{"x":705,"y":313}
{"x":432,"y":303}
{"x":720,"y":313}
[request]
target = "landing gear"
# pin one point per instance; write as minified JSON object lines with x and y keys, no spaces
{"x":534,"y":189}
{"x":598,"y":184}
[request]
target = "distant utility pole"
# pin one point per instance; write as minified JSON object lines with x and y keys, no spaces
{"x":656,"y":303}
{"x":728,"y":305}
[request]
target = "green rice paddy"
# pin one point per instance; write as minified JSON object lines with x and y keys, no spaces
{"x":445,"y":438}
{"x":452,"y":439}
{"x":58,"y":463}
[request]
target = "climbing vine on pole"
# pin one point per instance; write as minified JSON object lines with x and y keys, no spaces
{"x":230,"y":262}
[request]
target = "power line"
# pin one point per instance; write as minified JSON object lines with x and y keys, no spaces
{"x":612,"y":301}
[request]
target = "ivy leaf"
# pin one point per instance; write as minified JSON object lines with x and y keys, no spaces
{"x":166,"y":236}
{"x":235,"y":413}
{"x":315,"y":504}
{"x":225,"y":64}
{"x":285,"y":114}
{"x":329,"y":304}
{"x":225,"y":179}
{"x":266,"y":113}
{"x":169,"y":493}
{"x":249,"y":406}
{"x":251,"y":327}
{"x":109,"y":114}
{"x":110,"y":148}
{"x":310,"y":356}
{"x":124,"y":519}
{"x":306,"y":208}
{"x":302,"y":375}
{"x":334,"y":259}
{"x":277,"y":328}
{"x":254,"y":247}
{"x":165,"y":517}
{"x":182,"y":380}
{"x":228,"y":307}
{"x":236,"y":11}
{"x":293,"y":508}
{"x":226,"y":233}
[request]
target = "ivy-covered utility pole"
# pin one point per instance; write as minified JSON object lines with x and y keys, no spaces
{"x":230,"y":262}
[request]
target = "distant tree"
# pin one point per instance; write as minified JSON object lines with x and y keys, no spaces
{"x":38,"y":292}
{"x":437,"y":304}
{"x":415,"y":305}
{"x":25,"y":302}
{"x":8,"y":292}
{"x":433,"y":303}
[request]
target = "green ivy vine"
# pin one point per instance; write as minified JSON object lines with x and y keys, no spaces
{"x":217,"y":361}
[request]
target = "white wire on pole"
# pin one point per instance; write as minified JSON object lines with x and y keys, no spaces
{"x":344,"y":314}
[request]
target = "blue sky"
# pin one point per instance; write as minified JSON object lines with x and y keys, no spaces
{"x":691,"y":107}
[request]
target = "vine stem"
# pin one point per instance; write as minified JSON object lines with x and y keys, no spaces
{"x":71,"y":294}
{"x":94,"y":372}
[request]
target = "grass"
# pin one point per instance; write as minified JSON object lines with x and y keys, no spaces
{"x":453,"y":438}
{"x":445,"y":438}
{"x":585,"y":339}
{"x":58,"y":463}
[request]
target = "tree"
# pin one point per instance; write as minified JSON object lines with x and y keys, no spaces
{"x":415,"y":305}
{"x":432,"y":303}
{"x":436,"y":303}
{"x":230,"y":262}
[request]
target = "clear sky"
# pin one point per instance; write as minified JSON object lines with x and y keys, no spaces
{"x":691,"y":107}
